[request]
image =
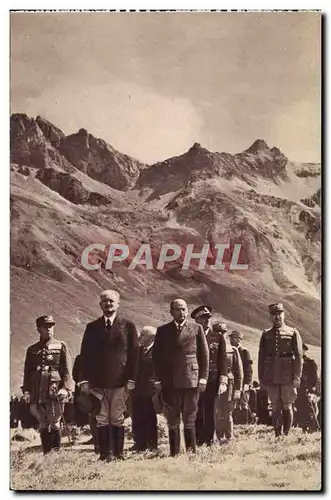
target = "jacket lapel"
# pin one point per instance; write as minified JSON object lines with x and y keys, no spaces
{"x":185,"y":332}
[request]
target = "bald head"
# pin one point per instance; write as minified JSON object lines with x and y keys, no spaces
{"x":179,"y":310}
{"x":147,"y":335}
{"x":109,"y":302}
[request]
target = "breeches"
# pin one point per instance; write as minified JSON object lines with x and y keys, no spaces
{"x":113,"y":406}
{"x":281,"y":396}
{"x":48,"y":414}
{"x":180,"y":402}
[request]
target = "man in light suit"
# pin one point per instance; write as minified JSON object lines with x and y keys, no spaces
{"x":181,"y":364}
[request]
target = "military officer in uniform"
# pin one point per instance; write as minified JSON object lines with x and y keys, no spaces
{"x":280,"y":367}
{"x":109,"y":364}
{"x":306,"y":402}
{"x":47,"y":383}
{"x":229,"y":384}
{"x":205,"y":421}
{"x":181,"y":363}
{"x":247,"y":362}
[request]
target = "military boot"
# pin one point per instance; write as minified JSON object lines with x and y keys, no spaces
{"x":190,"y":439}
{"x":277,"y":422}
{"x":55,"y":439}
{"x":103,"y":440}
{"x":287,"y":420}
{"x":174,"y":441}
{"x":229,"y":427}
{"x":46,"y":442}
{"x":118,"y":442}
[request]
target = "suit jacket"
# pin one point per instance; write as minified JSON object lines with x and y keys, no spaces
{"x":180,"y":360}
{"x":46,"y":363}
{"x":109,"y":358}
{"x":280,"y":356}
{"x":145,"y":378}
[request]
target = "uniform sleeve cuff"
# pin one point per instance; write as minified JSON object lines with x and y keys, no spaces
{"x":82,"y":382}
{"x":223,"y":379}
{"x":202,"y":381}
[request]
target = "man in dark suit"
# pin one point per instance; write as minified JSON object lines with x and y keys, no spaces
{"x":144,"y":419}
{"x":181,"y":363}
{"x":109,"y":362}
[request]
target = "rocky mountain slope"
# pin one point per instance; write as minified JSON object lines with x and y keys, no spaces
{"x":69,"y":192}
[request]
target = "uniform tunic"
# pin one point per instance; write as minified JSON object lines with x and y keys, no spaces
{"x":280,"y":362}
{"x":47,"y":369}
{"x":225,"y":402}
{"x":205,"y":422}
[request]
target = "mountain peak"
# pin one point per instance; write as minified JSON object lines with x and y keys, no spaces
{"x":258,"y":145}
{"x":197,"y":148}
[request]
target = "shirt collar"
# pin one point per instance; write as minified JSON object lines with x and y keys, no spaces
{"x":147,"y":349}
{"x":180,"y":325}
{"x":110,"y":318}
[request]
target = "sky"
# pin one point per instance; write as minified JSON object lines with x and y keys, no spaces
{"x":152,"y":84}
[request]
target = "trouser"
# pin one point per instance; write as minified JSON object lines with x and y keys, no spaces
{"x":110,"y":421}
{"x":48,"y":414}
{"x":49,"y":418}
{"x":205,"y":420}
{"x":282,"y":398}
{"x":241,"y":413}
{"x":179,"y":403}
{"x":223,"y":416}
{"x":113,"y":406}
{"x":144,"y":423}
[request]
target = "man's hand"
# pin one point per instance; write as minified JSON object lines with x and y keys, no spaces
{"x":26,"y":397}
{"x":85,"y":388}
{"x":236,"y":395}
{"x":222,"y":388}
{"x":296,"y":382}
{"x":158,"y":386}
{"x":130,"y":385}
{"x":202,"y":385}
{"x":246,"y":387}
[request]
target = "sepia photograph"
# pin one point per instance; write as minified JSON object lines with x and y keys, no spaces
{"x":165,"y":251}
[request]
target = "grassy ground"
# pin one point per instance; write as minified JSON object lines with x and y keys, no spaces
{"x":253,"y":461}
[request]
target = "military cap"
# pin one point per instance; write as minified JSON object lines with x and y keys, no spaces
{"x":277,"y":307}
{"x":305,"y":347}
{"x":219,"y":326}
{"x":88,"y":403}
{"x":236,"y":334}
{"x":45,"y":320}
{"x":201,"y":311}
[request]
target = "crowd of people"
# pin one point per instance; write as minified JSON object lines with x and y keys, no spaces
{"x":191,"y":370}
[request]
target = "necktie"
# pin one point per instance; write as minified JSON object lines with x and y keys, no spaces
{"x":108,"y":325}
